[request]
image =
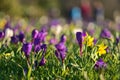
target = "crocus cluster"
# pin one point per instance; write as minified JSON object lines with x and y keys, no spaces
{"x":84,"y":38}
{"x":61,"y":49}
{"x":38,"y":39}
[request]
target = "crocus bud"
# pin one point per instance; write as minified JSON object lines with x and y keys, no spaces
{"x":60,"y":51}
{"x":105,"y":33}
{"x":21,"y":37}
{"x":26,"y":48}
{"x":14,"y":39}
{"x":34,"y":33}
{"x":1,"y":35}
{"x":79,"y":39}
{"x":63,"y":38}
{"x":42,"y":62}
{"x":37,"y":48}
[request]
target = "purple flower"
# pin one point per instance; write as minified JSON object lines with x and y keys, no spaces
{"x":14,"y":39}
{"x":100,"y":64}
{"x":34,"y":33}
{"x":26,"y":48}
{"x":21,"y":37}
{"x":1,"y":35}
{"x":37,"y":48}
{"x":7,"y":25}
{"x":54,"y":23}
{"x":63,"y":38}
{"x":92,"y":31}
{"x":79,"y":39}
{"x":117,"y":40}
{"x":95,"y":41}
{"x":60,"y":51}
{"x":105,"y":33}
{"x":44,"y":47}
{"x":40,"y":38}
{"x":53,"y":41}
{"x":42,"y":62}
{"x":61,"y":47}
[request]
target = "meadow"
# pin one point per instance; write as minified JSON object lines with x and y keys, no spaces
{"x":57,"y":50}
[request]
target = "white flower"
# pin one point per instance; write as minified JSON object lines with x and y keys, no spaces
{"x":8,"y":33}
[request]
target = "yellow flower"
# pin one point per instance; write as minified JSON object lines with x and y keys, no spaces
{"x":88,"y":40}
{"x":2,"y":23}
{"x":101,"y":49}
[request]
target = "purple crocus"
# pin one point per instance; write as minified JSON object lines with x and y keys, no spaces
{"x":60,"y":51}
{"x":53,"y":41}
{"x":100,"y":64}
{"x":21,"y":37}
{"x":79,"y":39}
{"x":95,"y":41}
{"x":40,"y":38}
{"x":117,"y":40}
{"x":34,"y":33}
{"x":105,"y":33}
{"x":63,"y":38}
{"x":1,"y":34}
{"x":8,"y":25}
{"x":37,"y":48}
{"x":42,"y":62}
{"x":44,"y":47}
{"x":14,"y":39}
{"x":26,"y":48}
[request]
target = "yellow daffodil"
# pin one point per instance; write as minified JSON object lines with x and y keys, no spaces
{"x":101,"y":49}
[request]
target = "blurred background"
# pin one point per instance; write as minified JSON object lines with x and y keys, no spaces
{"x":56,"y":8}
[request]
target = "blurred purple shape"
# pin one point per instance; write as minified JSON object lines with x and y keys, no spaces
{"x":54,"y":22}
{"x":61,"y":50}
{"x":37,"y":48}
{"x":63,"y":38}
{"x":26,"y":48}
{"x":40,"y":38}
{"x":1,"y":34}
{"x":79,"y":39}
{"x":95,"y":41}
{"x":105,"y":33}
{"x":53,"y":41}
{"x":34,"y":33}
{"x":42,"y":62}
{"x":14,"y":39}
{"x":21,"y":37}
{"x":117,"y":40}
{"x":100,"y":64}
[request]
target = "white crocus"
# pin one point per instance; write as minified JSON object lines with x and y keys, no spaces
{"x":56,"y":29}
{"x":8,"y":35}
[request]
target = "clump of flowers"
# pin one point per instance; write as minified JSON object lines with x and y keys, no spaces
{"x":84,"y":38}
{"x":61,"y":49}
